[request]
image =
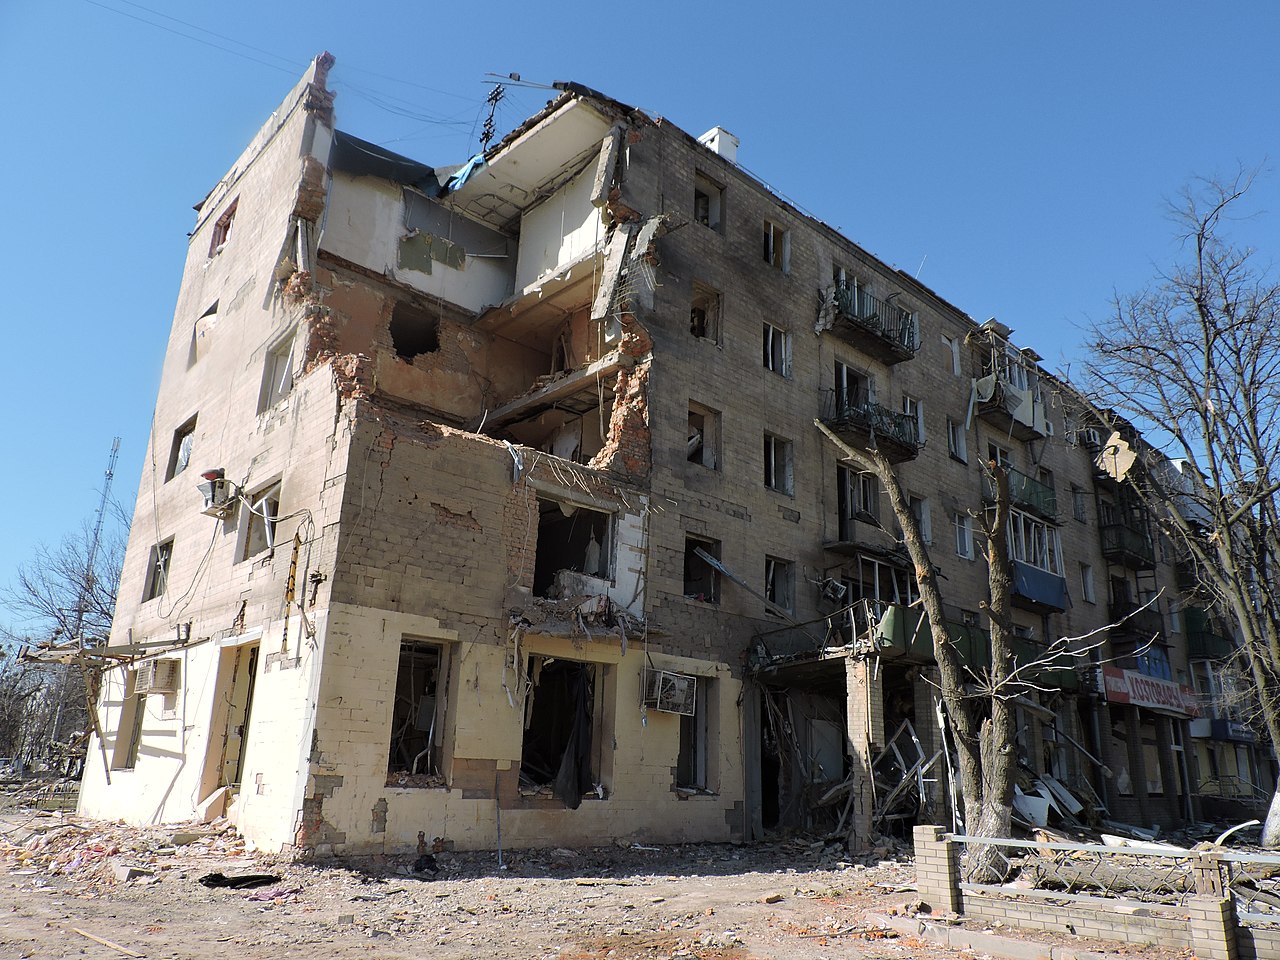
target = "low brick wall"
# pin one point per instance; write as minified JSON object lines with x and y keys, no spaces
{"x":1112,"y":922}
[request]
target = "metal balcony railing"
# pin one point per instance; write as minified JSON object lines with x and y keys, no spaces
{"x":1207,"y":645}
{"x":1132,"y":618}
{"x":867,"y":424}
{"x":1123,"y":544}
{"x":890,"y":323}
{"x":1026,"y":491}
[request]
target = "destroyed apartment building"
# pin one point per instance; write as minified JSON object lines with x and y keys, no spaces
{"x":486,"y":502}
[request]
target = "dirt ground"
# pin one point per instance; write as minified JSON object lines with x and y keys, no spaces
{"x":64,"y":882}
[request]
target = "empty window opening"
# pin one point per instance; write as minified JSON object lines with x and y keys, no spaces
{"x":260,"y":528}
{"x":957,"y":442}
{"x":914,"y":408}
{"x":555,"y":756}
{"x":778,"y":464}
{"x":708,"y":202}
{"x":704,"y":313}
{"x":779,"y":583}
{"x":222,"y":229}
{"x":129,"y":735}
{"x":1079,"y":509}
{"x":1086,"y":583}
{"x":854,"y":389}
{"x":692,"y":762}
{"x":857,"y":498}
{"x":1001,"y":456}
{"x":919,"y":507}
{"x":417,"y":714}
{"x":571,"y":539}
{"x":158,"y":570}
{"x":777,"y":246}
{"x":883,"y":583}
{"x":235,"y":740}
{"x":180,"y":451}
{"x":277,"y":377}
{"x":703,"y":446}
{"x":777,"y":350}
{"x":199,"y":330}
{"x":413,"y":331}
{"x":952,"y":346}
{"x":701,"y":579}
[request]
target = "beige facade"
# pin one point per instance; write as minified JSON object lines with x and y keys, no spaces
{"x":471,"y":436}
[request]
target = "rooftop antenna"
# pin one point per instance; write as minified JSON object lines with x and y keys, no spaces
{"x":493,"y":99}
{"x":921,"y":267}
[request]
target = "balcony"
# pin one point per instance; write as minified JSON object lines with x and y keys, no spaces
{"x":872,"y":325}
{"x":869,"y":426}
{"x":1027,"y":493}
{"x":1207,"y":645}
{"x":1015,"y":410}
{"x":1036,"y":589}
{"x":1135,"y":620}
{"x":1128,"y":546}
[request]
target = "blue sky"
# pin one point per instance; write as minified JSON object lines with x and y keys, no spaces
{"x":1018,"y":155}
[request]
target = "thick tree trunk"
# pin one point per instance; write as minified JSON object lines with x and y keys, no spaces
{"x":1271,"y":826}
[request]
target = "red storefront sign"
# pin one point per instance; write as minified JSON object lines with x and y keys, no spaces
{"x":1130,"y":686}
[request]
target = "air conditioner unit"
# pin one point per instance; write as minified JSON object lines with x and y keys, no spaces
{"x":158,"y":676}
{"x":219,"y":497}
{"x":670,"y":692}
{"x":1091,"y":438}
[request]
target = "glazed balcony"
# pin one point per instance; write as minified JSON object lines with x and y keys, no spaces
{"x":872,"y":325}
{"x":869,"y":426}
{"x":1207,"y":645}
{"x":1026,"y":492}
{"x":1128,"y":546}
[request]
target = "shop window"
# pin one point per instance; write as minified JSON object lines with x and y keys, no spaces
{"x":703,"y":445}
{"x":778,"y":460}
{"x":701,"y":579}
{"x":708,"y":202}
{"x":413,"y":331}
{"x":417,"y":713}
{"x":180,"y":450}
{"x":704,"y":313}
{"x":157,"y":580}
{"x":571,"y":539}
{"x":556,"y":754}
{"x":260,"y":524}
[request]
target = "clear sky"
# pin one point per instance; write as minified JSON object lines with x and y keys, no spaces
{"x":1018,"y":155}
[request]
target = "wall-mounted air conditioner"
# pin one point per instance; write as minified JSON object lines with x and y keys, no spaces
{"x":219,"y":494}
{"x":158,"y":676}
{"x":670,"y":692}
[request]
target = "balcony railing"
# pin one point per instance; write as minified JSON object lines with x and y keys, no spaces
{"x":1027,"y":492}
{"x":892,"y":330}
{"x":865,"y":424}
{"x":1123,"y":544}
{"x":1207,"y":645}
{"x":1132,"y":618}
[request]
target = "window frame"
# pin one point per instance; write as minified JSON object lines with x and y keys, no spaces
{"x":159,"y":563}
{"x":712,"y":309}
{"x":268,"y":493}
{"x":184,"y":435}
{"x":913,"y":407}
{"x":714,"y":193}
{"x":777,"y":246}
{"x":223,"y":229}
{"x":277,"y":374}
{"x":1088,"y":590}
{"x":779,"y":454}
{"x":966,"y":547}
{"x":710,"y":442}
{"x":779,"y":583}
{"x":776,"y":349}
{"x":957,"y":441}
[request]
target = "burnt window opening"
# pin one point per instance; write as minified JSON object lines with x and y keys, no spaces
{"x":701,"y":579}
{"x":413,"y":331}
{"x":555,"y":756}
{"x":573,"y":539}
{"x":704,"y":313}
{"x":418,"y":710}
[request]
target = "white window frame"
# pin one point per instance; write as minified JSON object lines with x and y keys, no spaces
{"x":277,"y":374}
{"x":776,"y":355}
{"x":953,"y":348}
{"x":779,"y":583}
{"x":777,"y":246}
{"x":919,"y":507}
{"x":965,"y":548}
{"x":706,"y":452}
{"x":957,"y":442}
{"x":913,"y":407}
{"x":779,"y":464}
{"x":1087,"y":590}
{"x":262,"y":508}
{"x":1035,"y":542}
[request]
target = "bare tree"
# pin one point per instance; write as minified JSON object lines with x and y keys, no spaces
{"x":57,"y":596}
{"x":1192,"y":363}
{"x":979,"y":707}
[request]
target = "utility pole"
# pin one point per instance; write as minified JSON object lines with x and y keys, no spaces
{"x":86,"y":590}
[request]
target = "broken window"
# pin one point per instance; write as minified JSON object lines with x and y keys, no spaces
{"x":260,"y":528}
{"x":222,"y":229}
{"x":1086,"y":583}
{"x":846,"y":502}
{"x":704,"y":313}
{"x":277,"y":376}
{"x":158,"y":570}
{"x":693,"y":766}
{"x":777,"y":350}
{"x":777,"y":246}
{"x":180,"y":451}
{"x":777,"y":464}
{"x":957,"y":443}
{"x":701,"y":579}
{"x":571,"y":539}
{"x":854,"y":389}
{"x":418,"y":711}
{"x":129,"y":735}
{"x":1034,"y":542}
{"x":1078,"y":505}
{"x":952,"y":346}
{"x":779,"y":583}
{"x":919,"y":507}
{"x":1001,"y":456}
{"x":964,"y":536}
{"x":708,"y":202}
{"x":703,"y":445}
{"x":555,"y":756}
{"x":413,"y":331}
{"x":914,"y":409}
{"x":199,"y":330}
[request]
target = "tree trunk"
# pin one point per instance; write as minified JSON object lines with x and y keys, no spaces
{"x":1271,"y":826}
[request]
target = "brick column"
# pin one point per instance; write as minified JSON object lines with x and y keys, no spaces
{"x":864,"y":723}
{"x":938,"y":870}
{"x":1213,"y":928}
